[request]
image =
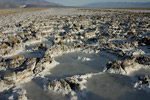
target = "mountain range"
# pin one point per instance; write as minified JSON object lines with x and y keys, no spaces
{"x":26,"y":3}
{"x":119,"y":4}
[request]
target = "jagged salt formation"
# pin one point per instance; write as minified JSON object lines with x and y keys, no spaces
{"x":30,"y":41}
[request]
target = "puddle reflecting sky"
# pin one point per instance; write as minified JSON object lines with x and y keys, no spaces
{"x":113,"y":87}
{"x":36,"y":92}
{"x":70,"y":64}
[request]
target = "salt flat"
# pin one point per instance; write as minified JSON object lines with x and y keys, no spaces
{"x":75,"y":54}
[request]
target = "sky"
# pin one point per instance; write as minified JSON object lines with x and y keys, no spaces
{"x":84,"y":2}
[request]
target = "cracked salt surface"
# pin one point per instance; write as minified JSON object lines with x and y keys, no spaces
{"x":100,"y":86}
{"x":29,"y":53}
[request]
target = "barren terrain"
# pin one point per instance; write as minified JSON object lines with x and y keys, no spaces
{"x":75,"y":54}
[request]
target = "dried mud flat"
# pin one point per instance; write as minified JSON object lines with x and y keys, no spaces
{"x":75,"y":54}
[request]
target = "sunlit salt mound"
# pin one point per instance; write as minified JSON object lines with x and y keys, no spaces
{"x":113,"y":87}
{"x":78,"y":63}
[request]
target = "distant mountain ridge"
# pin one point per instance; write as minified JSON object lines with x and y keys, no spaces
{"x":25,"y":3}
{"x":119,"y":4}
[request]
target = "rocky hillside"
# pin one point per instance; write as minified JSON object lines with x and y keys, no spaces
{"x":25,"y":3}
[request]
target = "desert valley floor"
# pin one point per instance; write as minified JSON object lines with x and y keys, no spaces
{"x":75,"y":54}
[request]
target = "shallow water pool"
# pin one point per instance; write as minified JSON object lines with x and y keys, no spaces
{"x":113,"y":87}
{"x":78,"y":63}
{"x":36,"y":92}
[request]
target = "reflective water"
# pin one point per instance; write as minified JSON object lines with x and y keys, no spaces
{"x":36,"y":92}
{"x":113,"y":87}
{"x":78,"y":63}
{"x":141,"y":71}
